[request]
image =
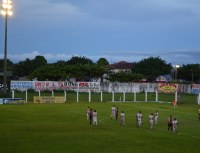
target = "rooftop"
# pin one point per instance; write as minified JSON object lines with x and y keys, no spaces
{"x":121,"y":65}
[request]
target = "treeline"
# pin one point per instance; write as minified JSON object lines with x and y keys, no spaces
{"x":84,"y":69}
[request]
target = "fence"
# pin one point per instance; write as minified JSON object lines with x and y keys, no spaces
{"x":110,"y":91}
{"x":97,"y":86}
{"x":67,"y":96}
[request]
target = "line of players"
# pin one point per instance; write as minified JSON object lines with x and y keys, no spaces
{"x":153,"y":118}
{"x":91,"y":116}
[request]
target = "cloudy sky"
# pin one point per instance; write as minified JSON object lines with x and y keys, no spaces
{"x":128,"y":30}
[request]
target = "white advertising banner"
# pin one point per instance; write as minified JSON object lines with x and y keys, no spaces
{"x":89,"y":86}
{"x":55,"y":85}
{"x":21,"y":85}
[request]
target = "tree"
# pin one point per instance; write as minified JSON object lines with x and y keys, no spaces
{"x":189,"y":72}
{"x":59,"y":71}
{"x":151,"y":68}
{"x":85,"y":72}
{"x":25,"y":68}
{"x":102,"y":62}
{"x":9,"y":68}
{"x":75,"y":60}
{"x":39,"y":61}
{"x":60,"y":63}
{"x":9,"y":65}
{"x":125,"y":77}
{"x":51,"y":72}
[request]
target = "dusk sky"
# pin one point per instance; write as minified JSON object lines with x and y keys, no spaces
{"x":128,"y":30}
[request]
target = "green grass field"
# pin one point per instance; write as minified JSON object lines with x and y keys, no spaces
{"x":63,"y":128}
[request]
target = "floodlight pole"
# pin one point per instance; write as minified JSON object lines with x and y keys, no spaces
{"x":5,"y":56}
{"x":6,"y":11}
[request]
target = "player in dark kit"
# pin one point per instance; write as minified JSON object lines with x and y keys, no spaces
{"x":91,"y":116}
{"x":116,"y":113}
{"x":199,"y":113}
{"x":170,"y":123}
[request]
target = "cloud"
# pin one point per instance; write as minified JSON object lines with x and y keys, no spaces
{"x":142,"y":10}
{"x":50,"y":57}
{"x":181,"y":56}
{"x":21,"y":57}
{"x":109,"y":10}
{"x":46,"y":10}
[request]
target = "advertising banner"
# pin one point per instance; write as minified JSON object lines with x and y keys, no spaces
{"x":21,"y":85}
{"x":167,"y":87}
{"x":89,"y":86}
{"x":55,"y":85}
{"x":195,"y":89}
{"x":68,"y":85}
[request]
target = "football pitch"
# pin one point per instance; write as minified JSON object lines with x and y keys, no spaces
{"x":63,"y":128}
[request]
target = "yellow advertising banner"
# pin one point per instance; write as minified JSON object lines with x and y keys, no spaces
{"x":49,"y":99}
{"x":167,"y":87}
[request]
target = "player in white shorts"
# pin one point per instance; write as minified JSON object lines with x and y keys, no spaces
{"x":88,"y":113}
{"x":122,"y":121}
{"x":156,"y":117}
{"x":151,"y":120}
{"x":139,"y":119}
{"x":95,"y":117}
{"x":113,"y":112}
{"x":174,"y":125}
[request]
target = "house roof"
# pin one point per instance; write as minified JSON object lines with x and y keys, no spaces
{"x":121,"y":65}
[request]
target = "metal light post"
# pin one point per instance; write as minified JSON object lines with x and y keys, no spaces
{"x":6,"y":11}
{"x":192,"y":75}
{"x":176,"y":71}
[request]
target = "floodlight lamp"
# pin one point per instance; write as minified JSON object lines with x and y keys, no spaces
{"x":4,"y":6}
{"x":3,"y":12}
{"x":10,"y":13}
{"x":9,"y":7}
{"x":9,"y":2}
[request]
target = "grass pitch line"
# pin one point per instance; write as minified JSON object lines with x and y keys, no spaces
{"x":190,"y":135}
{"x":170,"y":110}
{"x":76,"y":112}
{"x":180,"y":133}
{"x":103,"y":119}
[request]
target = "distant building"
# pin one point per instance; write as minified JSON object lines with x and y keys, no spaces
{"x":121,"y":67}
{"x":164,"y":78}
{"x":161,"y":79}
